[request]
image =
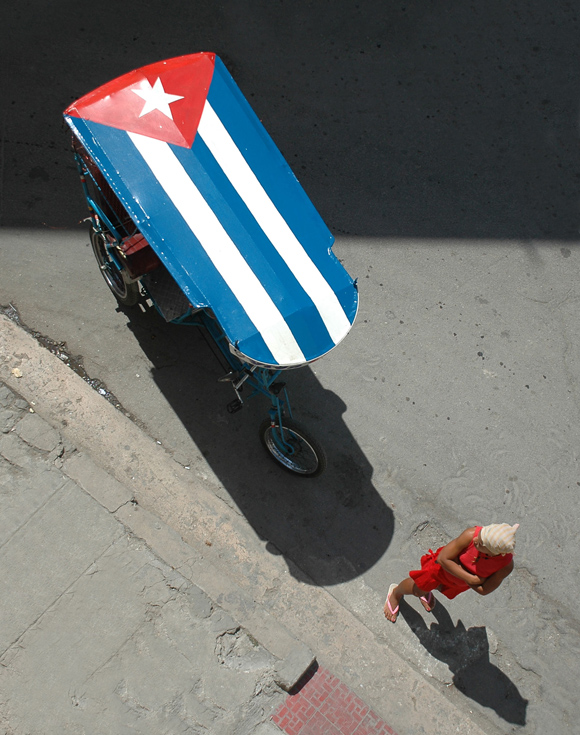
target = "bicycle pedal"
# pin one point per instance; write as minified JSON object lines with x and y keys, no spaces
{"x":235,"y":406}
{"x":230,"y":377}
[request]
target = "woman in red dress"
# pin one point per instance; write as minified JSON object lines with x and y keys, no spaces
{"x":479,"y":559}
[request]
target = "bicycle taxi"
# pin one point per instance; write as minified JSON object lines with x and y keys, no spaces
{"x":193,"y":207}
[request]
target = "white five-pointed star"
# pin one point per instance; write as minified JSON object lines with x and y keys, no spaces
{"x":156,"y":98}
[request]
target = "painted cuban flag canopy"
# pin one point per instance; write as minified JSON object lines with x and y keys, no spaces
{"x":206,"y":186}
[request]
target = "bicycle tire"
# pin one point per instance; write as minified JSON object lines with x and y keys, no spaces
{"x":299,"y":454}
{"x":126,"y":293}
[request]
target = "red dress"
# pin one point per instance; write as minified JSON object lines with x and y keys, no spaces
{"x":432,"y":575}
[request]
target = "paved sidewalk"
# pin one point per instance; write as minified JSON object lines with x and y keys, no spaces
{"x":324,"y":705}
{"x":134,"y":600}
{"x":99,"y":634}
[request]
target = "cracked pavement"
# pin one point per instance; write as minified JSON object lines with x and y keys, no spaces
{"x":95,"y":627}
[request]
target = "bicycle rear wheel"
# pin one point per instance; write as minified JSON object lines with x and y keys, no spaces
{"x":292,"y":447}
{"x":125,"y":293}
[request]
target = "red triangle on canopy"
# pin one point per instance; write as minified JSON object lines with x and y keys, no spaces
{"x":118,"y":105}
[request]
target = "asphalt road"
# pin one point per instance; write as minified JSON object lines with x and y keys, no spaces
{"x":440,"y":146}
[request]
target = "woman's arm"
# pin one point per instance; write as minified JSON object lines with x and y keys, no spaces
{"x":494,"y":581}
{"x":449,"y":558}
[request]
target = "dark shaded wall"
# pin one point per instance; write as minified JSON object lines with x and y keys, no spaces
{"x":414,"y":119}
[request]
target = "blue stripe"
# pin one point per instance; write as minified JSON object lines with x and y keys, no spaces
{"x":272,"y":271}
{"x":282,"y":187}
{"x":166,"y":231}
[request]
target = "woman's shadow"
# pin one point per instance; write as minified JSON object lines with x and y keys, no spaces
{"x":466,"y":653}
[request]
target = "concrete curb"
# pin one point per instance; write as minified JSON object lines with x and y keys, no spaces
{"x":295,"y":658}
{"x":64,"y":388}
{"x":181,"y":519}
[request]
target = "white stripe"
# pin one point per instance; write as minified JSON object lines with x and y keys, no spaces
{"x":275,"y":227}
{"x":222,"y":251}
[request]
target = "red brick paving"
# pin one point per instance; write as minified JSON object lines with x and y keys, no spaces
{"x":326,"y":706}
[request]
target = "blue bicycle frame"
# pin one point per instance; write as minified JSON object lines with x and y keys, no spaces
{"x":193,"y":205}
{"x":260,"y":380}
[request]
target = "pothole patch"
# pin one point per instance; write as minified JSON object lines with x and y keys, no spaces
{"x":75,"y":363}
{"x":239,"y":651}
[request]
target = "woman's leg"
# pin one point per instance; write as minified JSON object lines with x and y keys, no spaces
{"x":428,"y":601}
{"x":406,"y":587}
